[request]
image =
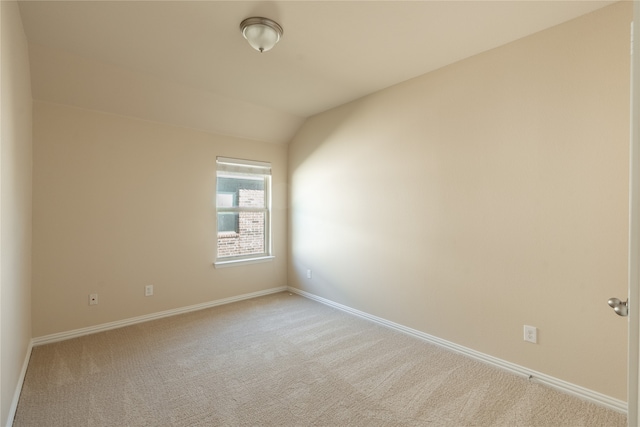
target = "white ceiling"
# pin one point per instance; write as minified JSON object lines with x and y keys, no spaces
{"x":186,"y":62}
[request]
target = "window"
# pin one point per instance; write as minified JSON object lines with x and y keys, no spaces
{"x":243,"y":210}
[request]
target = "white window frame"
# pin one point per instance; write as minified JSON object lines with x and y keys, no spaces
{"x":226,"y":165}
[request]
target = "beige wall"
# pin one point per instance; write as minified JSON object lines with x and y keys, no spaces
{"x":121,"y":203}
{"x":15,"y":205}
{"x":481,"y":197}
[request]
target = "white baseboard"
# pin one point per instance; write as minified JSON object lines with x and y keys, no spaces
{"x":564,"y":386}
{"x":61,"y":336}
{"x":16,"y":394}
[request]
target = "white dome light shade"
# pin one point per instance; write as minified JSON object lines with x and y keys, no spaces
{"x":261,"y":33}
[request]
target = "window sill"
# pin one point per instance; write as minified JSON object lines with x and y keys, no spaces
{"x":237,"y":262}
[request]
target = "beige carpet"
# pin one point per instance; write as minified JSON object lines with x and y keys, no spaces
{"x":279,"y":360}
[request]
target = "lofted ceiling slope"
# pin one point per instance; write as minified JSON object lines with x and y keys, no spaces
{"x":186,"y":62}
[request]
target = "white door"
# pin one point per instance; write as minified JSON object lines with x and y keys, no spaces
{"x":631,"y":307}
{"x":634,"y":231}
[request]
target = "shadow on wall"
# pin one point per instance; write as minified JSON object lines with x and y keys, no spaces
{"x":502,"y":177}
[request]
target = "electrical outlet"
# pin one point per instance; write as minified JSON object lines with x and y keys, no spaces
{"x":308,"y":274}
{"x":531,"y":334}
{"x":148,"y":290}
{"x":93,"y":299}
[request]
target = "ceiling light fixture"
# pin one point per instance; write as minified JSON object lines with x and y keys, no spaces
{"x":261,"y":33}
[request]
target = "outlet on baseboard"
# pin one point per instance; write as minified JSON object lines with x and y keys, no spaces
{"x":308,"y":273}
{"x":148,"y":290}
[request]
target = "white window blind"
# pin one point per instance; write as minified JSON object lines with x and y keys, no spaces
{"x":243,"y":210}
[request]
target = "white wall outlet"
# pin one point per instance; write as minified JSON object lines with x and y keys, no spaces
{"x":531,"y":334}
{"x":93,"y":299}
{"x":148,"y":290}
{"x":308,"y":274}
